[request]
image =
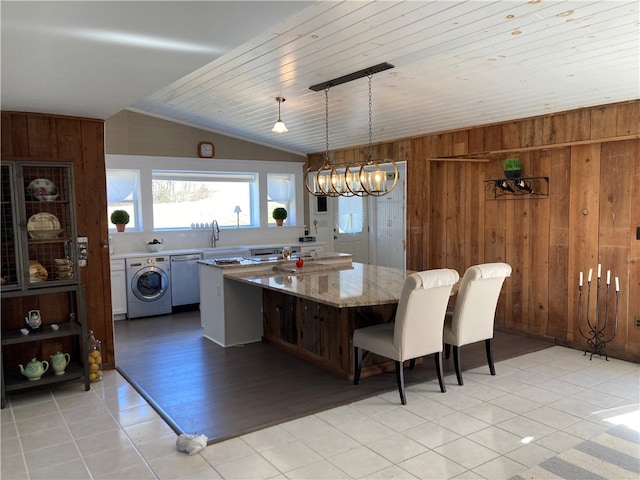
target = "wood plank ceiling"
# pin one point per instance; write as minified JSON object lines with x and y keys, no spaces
{"x":457,"y":64}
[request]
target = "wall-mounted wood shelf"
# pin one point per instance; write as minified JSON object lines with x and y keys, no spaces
{"x":516,"y":188}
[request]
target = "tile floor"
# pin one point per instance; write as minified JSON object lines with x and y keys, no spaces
{"x":539,"y":405}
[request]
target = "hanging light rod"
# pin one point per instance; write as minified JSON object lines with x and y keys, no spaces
{"x":352,"y":76}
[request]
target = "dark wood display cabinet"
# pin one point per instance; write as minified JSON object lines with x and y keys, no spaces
{"x":39,"y":263}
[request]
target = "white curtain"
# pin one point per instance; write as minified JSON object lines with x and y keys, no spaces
{"x":350,"y":215}
{"x":122,"y":186}
{"x":280,"y":188}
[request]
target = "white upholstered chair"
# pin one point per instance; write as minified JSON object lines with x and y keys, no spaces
{"x":474,"y":312}
{"x":417,"y":329}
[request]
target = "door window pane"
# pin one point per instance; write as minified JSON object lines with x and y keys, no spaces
{"x":350,"y":214}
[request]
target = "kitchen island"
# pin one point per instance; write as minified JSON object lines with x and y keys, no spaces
{"x":309,"y":311}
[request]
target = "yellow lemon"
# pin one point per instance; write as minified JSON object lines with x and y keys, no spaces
{"x":92,"y":377}
{"x":93,"y":367}
{"x":95,"y":353}
{"x":91,"y":360}
{"x":98,"y":359}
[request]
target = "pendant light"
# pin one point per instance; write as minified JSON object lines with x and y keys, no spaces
{"x":372,"y":177}
{"x":323,"y":181}
{"x":279,"y":126}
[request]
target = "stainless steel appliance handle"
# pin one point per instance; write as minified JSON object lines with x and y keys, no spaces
{"x":185,"y":258}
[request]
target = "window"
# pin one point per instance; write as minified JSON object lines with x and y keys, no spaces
{"x":350,"y":214}
{"x":123,"y":193}
{"x":183,"y":199}
{"x":281,"y":193}
{"x":177,"y":194}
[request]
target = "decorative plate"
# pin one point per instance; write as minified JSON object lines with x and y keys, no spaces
{"x":45,"y":234}
{"x":43,"y":221}
{"x":42,"y":187}
{"x":46,"y":198}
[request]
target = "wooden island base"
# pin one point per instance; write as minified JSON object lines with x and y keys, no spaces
{"x":322,"y":334}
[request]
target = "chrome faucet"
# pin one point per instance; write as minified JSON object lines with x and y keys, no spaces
{"x":215,"y":233}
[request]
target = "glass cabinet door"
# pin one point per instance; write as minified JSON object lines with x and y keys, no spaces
{"x":10,"y":267}
{"x":38,"y":225}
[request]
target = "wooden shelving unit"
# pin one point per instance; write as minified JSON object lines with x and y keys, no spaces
{"x":58,"y":296}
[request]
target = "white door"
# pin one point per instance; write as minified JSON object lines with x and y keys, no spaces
{"x":351,"y":228}
{"x":389,"y":238}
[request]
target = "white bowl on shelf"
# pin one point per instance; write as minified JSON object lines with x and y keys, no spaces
{"x":154,"y":247}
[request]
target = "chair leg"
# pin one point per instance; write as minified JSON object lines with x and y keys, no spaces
{"x":456,"y":363}
{"x":400,"y":378}
{"x":487,"y":346}
{"x":357,"y":355}
{"x":447,"y":350}
{"x":438,"y":358}
{"x":412,"y":363}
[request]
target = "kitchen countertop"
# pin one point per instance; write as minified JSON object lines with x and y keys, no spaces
{"x":121,"y":256}
{"x":341,"y":286}
{"x":209,"y":250}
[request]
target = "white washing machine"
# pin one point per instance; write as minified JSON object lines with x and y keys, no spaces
{"x":148,"y":286}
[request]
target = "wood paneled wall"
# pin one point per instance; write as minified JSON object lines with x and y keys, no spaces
{"x":42,"y":138}
{"x":592,"y":159}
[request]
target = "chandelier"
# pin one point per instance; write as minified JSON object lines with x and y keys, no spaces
{"x":371,"y":177}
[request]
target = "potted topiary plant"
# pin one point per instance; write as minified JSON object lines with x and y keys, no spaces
{"x":120,"y":218}
{"x":279,"y":215}
{"x":512,"y":167}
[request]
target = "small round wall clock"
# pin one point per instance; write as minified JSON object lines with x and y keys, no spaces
{"x":205,"y":150}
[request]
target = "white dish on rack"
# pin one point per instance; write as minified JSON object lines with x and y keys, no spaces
{"x":41,"y":187}
{"x":45,"y":234}
{"x":43,"y":221}
{"x":46,"y":198}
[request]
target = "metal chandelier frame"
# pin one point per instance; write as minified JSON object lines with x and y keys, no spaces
{"x":366,"y":178}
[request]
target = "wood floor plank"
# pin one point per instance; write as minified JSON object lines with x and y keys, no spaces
{"x":200,"y":387}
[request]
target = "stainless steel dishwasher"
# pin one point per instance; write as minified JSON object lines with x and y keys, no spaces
{"x":185,"y":279}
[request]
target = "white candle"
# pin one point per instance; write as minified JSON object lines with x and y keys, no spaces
{"x":580,"y":280}
{"x":608,"y":277}
{"x":599,"y":270}
{"x":617,"y":285}
{"x":589,"y":277}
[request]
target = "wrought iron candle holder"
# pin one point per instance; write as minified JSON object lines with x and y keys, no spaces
{"x":595,"y":330}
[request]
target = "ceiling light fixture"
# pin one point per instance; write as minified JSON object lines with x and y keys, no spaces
{"x":279,"y":126}
{"x":372,"y":177}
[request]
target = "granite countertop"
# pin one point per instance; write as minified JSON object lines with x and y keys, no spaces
{"x":340,"y":285}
